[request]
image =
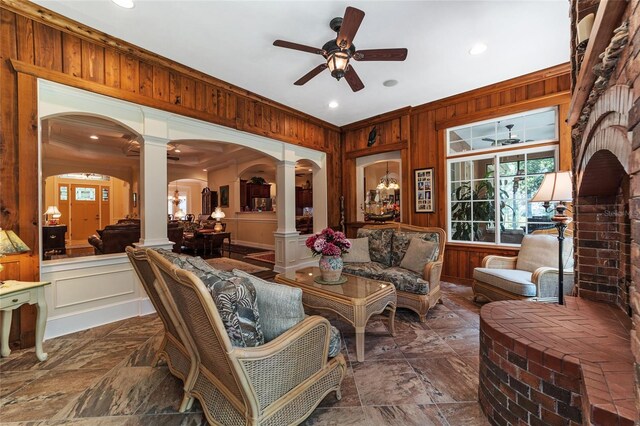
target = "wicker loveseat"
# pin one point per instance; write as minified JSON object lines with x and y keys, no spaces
{"x":388,"y":244}
{"x":277,"y":383}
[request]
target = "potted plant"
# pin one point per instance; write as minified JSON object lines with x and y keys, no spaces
{"x":329,"y":245}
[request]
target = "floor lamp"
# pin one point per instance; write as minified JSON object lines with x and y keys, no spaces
{"x":557,"y":188}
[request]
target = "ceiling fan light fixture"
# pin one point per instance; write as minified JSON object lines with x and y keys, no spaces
{"x":94,"y":137}
{"x":337,"y":63}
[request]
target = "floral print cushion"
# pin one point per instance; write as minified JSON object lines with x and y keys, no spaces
{"x":401,"y":240}
{"x":405,"y":280}
{"x":379,"y":244}
{"x":197,"y":265}
{"x":236,"y":301}
{"x":371,"y":270}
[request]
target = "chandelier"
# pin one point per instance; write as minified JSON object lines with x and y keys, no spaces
{"x":387,"y":182}
{"x":176,"y":196}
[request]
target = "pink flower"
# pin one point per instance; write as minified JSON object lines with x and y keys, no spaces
{"x":331,"y":250}
{"x":319,"y":245}
{"x":328,"y":243}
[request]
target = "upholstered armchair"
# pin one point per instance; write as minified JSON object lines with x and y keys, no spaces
{"x":533,"y":274}
{"x":277,"y":383}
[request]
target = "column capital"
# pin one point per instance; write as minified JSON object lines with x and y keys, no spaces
{"x":155,"y":140}
{"x":286,"y":163}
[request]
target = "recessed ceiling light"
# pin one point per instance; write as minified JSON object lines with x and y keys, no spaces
{"x":310,"y":170}
{"x":333,"y":104}
{"x":94,"y":137}
{"x":176,"y":150}
{"x":127,"y":4}
{"x":204,"y":170}
{"x":477,"y":49}
{"x":390,"y":83}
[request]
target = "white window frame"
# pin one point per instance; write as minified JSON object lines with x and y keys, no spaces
{"x":496,"y":155}
{"x":501,"y":119}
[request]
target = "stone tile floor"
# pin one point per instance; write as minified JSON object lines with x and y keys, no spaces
{"x":426,"y":375}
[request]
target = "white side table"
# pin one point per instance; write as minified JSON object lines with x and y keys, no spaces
{"x":13,"y":294}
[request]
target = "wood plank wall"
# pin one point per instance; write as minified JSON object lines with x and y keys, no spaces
{"x":35,"y":42}
{"x":419,"y":133}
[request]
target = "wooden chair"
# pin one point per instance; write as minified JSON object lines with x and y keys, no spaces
{"x":172,"y":349}
{"x":278,"y":383}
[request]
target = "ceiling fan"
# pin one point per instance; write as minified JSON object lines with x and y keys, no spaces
{"x":337,"y":52}
{"x":133,"y":150}
{"x":510,"y":140}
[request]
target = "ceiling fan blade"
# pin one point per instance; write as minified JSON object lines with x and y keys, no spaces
{"x":296,"y":46}
{"x":308,"y":76}
{"x":350,"y":23}
{"x":352,"y":78}
{"x":488,"y":139}
{"x":381,"y":55}
{"x":172,"y":157}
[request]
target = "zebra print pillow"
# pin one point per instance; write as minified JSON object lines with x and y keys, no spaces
{"x":235,"y":299}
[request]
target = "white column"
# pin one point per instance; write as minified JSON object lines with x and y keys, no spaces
{"x":286,"y":236}
{"x":153,"y":197}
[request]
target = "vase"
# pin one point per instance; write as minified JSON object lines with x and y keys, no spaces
{"x":330,"y":268}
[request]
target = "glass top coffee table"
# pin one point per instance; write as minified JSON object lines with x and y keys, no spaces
{"x":355,"y":301}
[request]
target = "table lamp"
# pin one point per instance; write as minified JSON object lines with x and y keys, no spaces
{"x":557,"y":187}
{"x":179,"y":214}
{"x":53,"y":214}
{"x":10,"y":243}
{"x":217,"y":215}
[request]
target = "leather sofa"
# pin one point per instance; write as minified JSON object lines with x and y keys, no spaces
{"x":115,"y":238}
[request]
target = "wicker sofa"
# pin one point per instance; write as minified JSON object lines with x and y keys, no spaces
{"x":388,"y":244}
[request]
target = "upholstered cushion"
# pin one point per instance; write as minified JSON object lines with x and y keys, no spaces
{"x":237,"y":305}
{"x":235,"y":298}
{"x":405,"y":280}
{"x":280,"y":306}
{"x":379,"y":244}
{"x":401,"y":240}
{"x":419,"y":253}
{"x":335,"y":342}
{"x":359,"y":251}
{"x":371,"y":270}
{"x":511,"y":280}
{"x":542,"y":250}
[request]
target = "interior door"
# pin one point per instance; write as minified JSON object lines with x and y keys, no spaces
{"x":105,"y":206}
{"x":85,"y":211}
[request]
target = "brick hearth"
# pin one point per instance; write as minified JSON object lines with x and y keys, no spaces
{"x":549,"y":364}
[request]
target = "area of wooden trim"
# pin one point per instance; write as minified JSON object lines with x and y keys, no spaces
{"x":606,"y":20}
{"x":45,"y":16}
{"x":377,"y":150}
{"x":377,"y":119}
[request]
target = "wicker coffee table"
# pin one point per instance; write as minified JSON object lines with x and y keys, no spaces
{"x":355,"y":301}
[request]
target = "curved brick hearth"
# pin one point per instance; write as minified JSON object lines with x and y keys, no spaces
{"x":548,"y":364}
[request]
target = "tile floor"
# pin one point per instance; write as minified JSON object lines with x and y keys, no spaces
{"x":426,"y":375}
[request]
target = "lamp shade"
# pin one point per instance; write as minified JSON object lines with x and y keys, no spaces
{"x":217,"y":214}
{"x":555,"y":187}
{"x":10,"y":243}
{"x":53,"y":210}
{"x":179,"y":214}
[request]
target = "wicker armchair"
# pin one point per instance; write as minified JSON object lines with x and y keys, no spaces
{"x":172,"y":349}
{"x":532,"y":275}
{"x":278,"y":383}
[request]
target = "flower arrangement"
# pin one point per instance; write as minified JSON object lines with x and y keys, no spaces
{"x":328,"y":243}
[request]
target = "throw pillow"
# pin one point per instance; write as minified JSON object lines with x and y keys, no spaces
{"x":235,"y":299}
{"x":418,"y":254}
{"x":379,"y":244}
{"x":359,"y":251}
{"x":335,"y":342}
{"x":280,"y":305}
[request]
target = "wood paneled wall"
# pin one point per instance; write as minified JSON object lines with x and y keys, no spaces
{"x":419,"y":133}
{"x":37,"y":43}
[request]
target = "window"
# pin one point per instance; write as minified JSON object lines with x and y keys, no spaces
{"x":85,"y":194}
{"x":489,"y":192}
{"x":520,"y":129}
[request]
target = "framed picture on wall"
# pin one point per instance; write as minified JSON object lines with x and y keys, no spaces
{"x":424,"y":201}
{"x":224,"y":196}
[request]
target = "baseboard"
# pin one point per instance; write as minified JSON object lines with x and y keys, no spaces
{"x":78,"y":321}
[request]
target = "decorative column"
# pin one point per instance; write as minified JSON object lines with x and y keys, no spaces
{"x":153,"y":197}
{"x":286,"y":236}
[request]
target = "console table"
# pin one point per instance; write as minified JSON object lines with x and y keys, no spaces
{"x":14,"y":294}
{"x":213,"y":238}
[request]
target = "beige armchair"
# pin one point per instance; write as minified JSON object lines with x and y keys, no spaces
{"x":533,"y":274}
{"x":172,"y":350}
{"x":278,"y":383}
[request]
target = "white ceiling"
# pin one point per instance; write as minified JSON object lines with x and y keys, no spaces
{"x":232,"y":40}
